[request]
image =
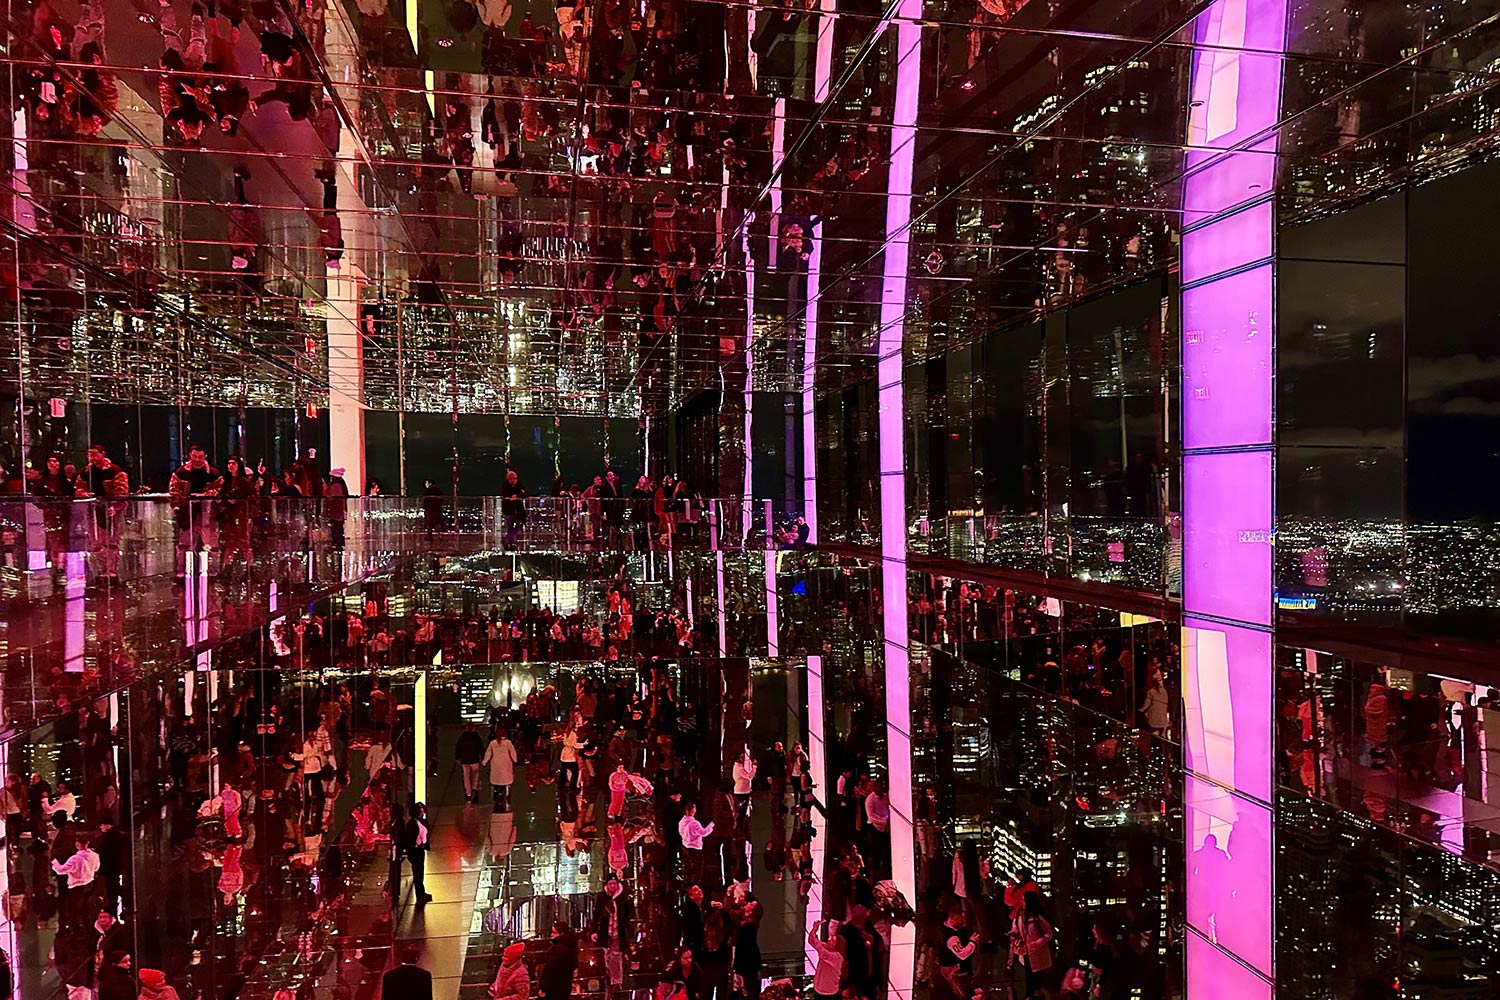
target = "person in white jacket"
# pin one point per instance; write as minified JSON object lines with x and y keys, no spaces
{"x":500,"y":758}
{"x":744,"y":782}
{"x":692,"y":833}
{"x":78,"y":903}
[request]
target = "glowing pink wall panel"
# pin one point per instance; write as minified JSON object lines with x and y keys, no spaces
{"x":1227,"y":345}
{"x":1212,"y":973}
{"x":1228,"y":496}
{"x":1227,"y":688}
{"x":1230,"y":896}
{"x":1242,"y":238}
{"x":891,"y":426}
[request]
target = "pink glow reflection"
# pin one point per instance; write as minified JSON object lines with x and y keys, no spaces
{"x":1228,"y":526}
{"x":1242,"y":238}
{"x":1227,"y":341}
{"x":1211,"y":973}
{"x":891,"y":426}
{"x":1227,"y":674}
{"x":817,"y":762}
{"x":1228,"y":381}
{"x":1229,"y":867}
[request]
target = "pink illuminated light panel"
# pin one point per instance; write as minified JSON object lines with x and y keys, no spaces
{"x":891,"y":426}
{"x":1228,"y":431}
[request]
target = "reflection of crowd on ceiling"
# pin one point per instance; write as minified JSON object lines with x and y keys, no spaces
{"x":649,"y":180}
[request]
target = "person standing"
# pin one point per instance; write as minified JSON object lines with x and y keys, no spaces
{"x":692,"y":833}
{"x":512,"y":981}
{"x":956,"y":953}
{"x":1031,"y":944}
{"x":154,"y":986}
{"x":561,"y":962}
{"x":513,"y":506}
{"x":115,"y":981}
{"x":500,"y":757}
{"x":193,"y":482}
{"x":830,"y":968}
{"x":969,"y":873}
{"x":612,"y":917}
{"x":567,"y":761}
{"x":878,"y":830}
{"x":108,"y":485}
{"x":336,"y":506}
{"x":81,"y":899}
{"x":398,"y":834}
{"x":773,"y":766}
{"x":747,"y":957}
{"x":407,"y":981}
{"x":744,"y":782}
{"x":432,"y":507}
{"x":469,"y":751}
{"x":418,"y":843}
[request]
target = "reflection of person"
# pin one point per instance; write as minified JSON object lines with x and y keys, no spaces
{"x":58,"y":486}
{"x":1211,"y":870}
{"x":194,"y":480}
{"x":1155,"y":707}
{"x":612,"y":916}
{"x":407,"y":981}
{"x":336,"y":506}
{"x":432,"y":506}
{"x":108,"y":484}
{"x":500,"y":757}
{"x":469,"y":751}
{"x":513,"y":504}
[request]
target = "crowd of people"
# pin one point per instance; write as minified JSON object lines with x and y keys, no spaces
{"x":242,"y":514}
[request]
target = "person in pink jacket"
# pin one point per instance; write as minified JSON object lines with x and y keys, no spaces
{"x":619,"y":786}
{"x":512,"y":981}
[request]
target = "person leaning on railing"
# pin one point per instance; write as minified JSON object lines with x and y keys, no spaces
{"x":191,"y":483}
{"x":57,"y":484}
{"x":513,"y":506}
{"x":108,"y":484}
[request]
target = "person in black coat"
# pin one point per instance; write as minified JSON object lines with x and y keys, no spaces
{"x":747,"y":958}
{"x":613,"y":913}
{"x":690,"y":920}
{"x":113,"y":847}
{"x":686,"y":971}
{"x":559,"y":964}
{"x":772,"y":772}
{"x":417,"y":845}
{"x":861,"y":949}
{"x":115,"y":979}
{"x":407,"y":981}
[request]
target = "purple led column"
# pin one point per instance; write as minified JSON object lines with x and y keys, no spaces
{"x":892,"y":430}
{"x":1228,"y":485}
{"x":809,"y":381}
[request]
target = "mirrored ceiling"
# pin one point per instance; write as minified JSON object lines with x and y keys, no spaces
{"x":602,"y":207}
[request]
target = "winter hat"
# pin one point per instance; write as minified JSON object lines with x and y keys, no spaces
{"x":153,"y":979}
{"x":513,"y":952}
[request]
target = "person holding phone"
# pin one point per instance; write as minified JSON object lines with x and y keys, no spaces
{"x":830,"y":969}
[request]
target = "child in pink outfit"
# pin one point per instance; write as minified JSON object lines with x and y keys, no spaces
{"x":619,"y":784}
